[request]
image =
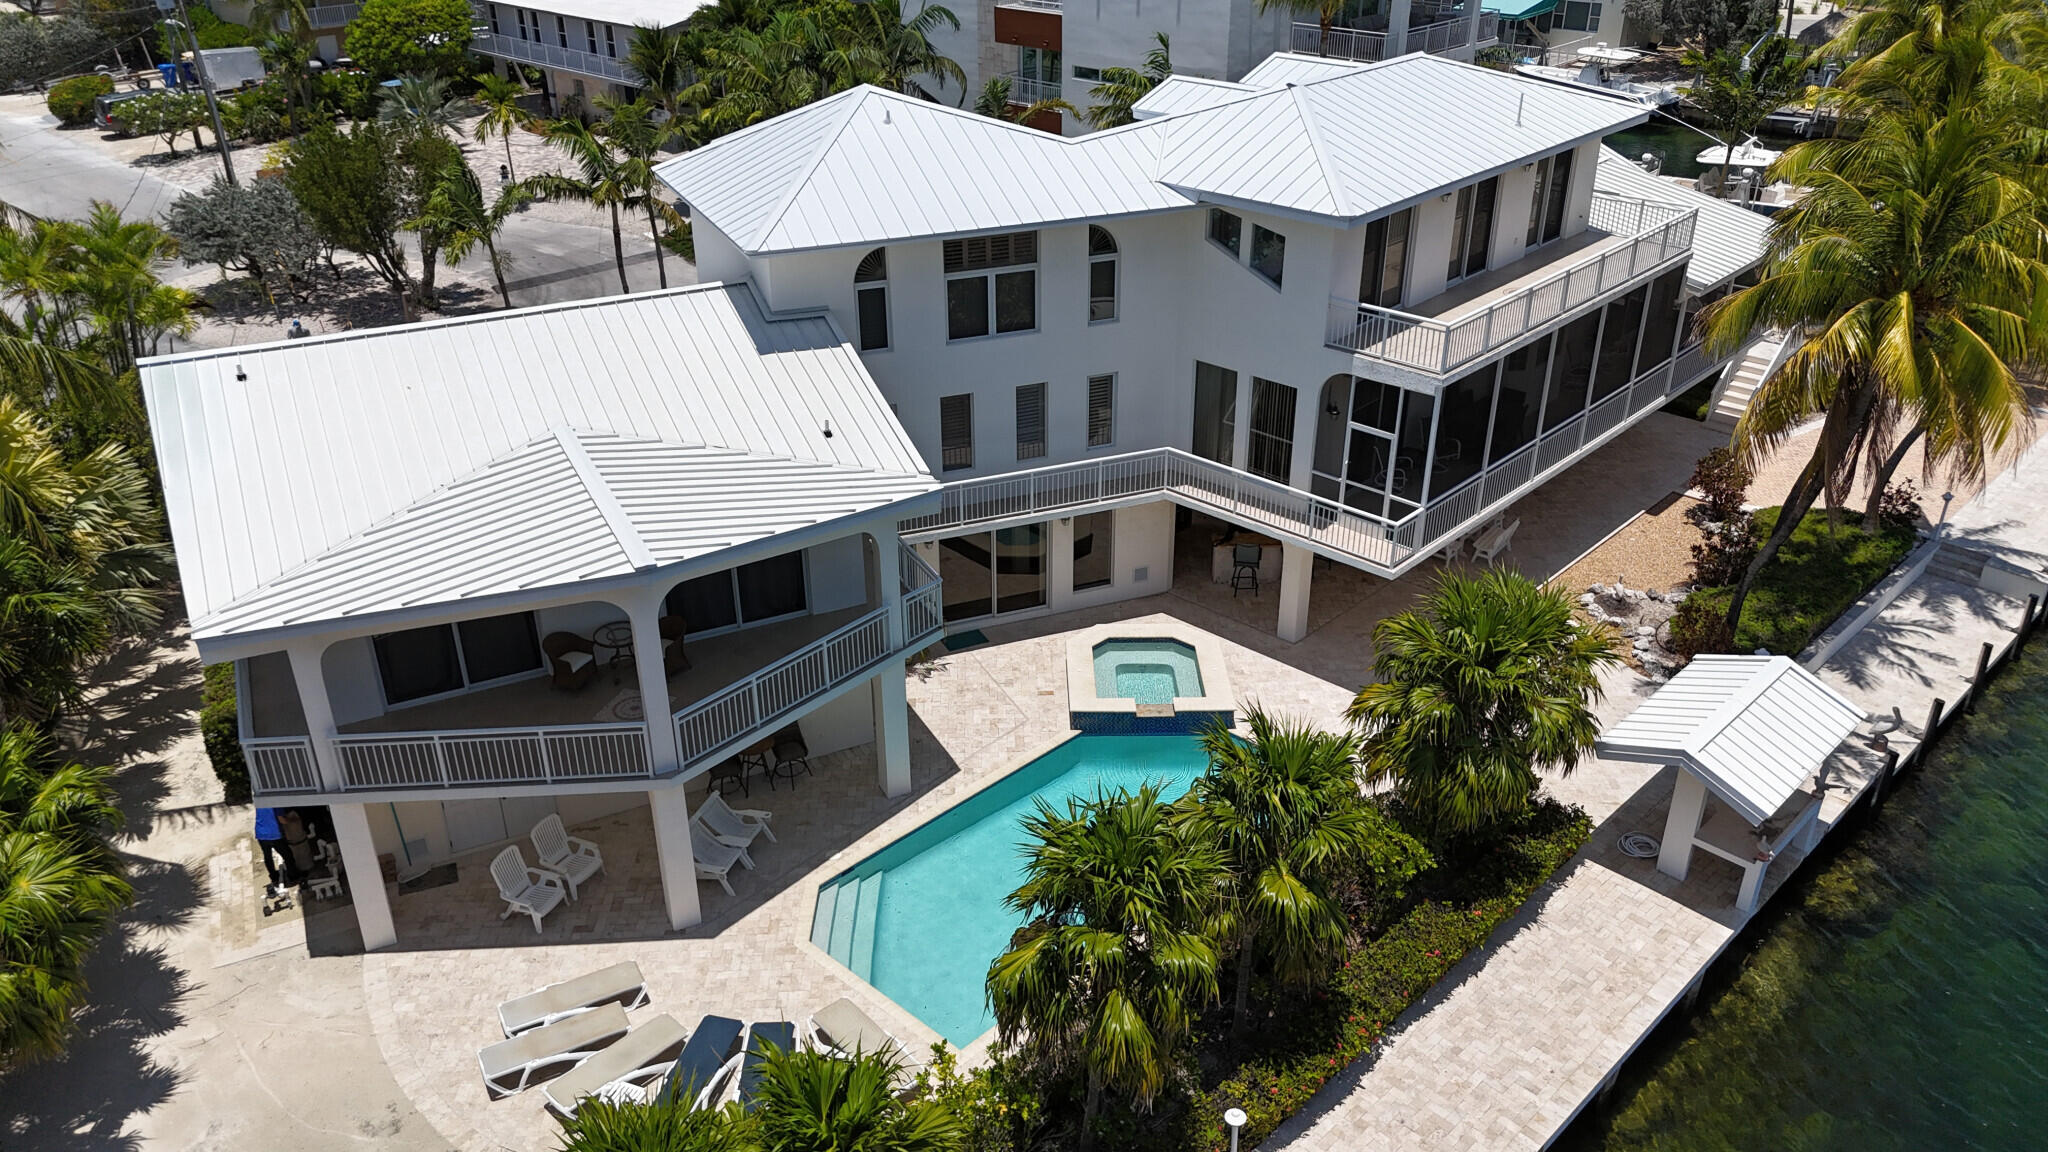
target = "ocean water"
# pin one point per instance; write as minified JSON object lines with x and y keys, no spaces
{"x":1899,"y":1001}
{"x":1677,"y":144}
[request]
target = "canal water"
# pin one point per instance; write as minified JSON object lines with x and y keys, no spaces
{"x":1677,"y":144}
{"x":1896,"y":999}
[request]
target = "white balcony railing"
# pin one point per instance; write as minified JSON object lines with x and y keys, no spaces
{"x":281,"y":765}
{"x":1035,"y":5}
{"x":325,"y":16}
{"x":552,"y":55}
{"x":567,"y":754}
{"x":1489,"y":28}
{"x":712,"y":725}
{"x":1657,"y":233}
{"x":1344,"y":43}
{"x":1029,"y":90}
{"x":923,"y":607}
{"x":1442,"y":36}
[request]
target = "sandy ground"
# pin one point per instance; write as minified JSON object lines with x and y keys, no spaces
{"x":1652,"y":551}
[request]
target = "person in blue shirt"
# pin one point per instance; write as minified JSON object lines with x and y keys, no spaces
{"x":270,"y":838}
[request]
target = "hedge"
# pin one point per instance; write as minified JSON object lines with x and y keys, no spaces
{"x":71,"y":101}
{"x":1389,"y":972}
{"x":221,"y":729}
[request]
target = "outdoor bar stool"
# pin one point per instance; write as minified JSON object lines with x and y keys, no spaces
{"x":728,"y":772}
{"x":791,"y":753}
{"x":1244,"y":569}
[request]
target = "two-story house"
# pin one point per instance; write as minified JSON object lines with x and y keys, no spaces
{"x":579,"y":46}
{"x":1357,"y":309}
{"x":560,"y":560}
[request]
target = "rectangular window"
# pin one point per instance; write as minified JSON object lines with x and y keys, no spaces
{"x":1272,"y":431}
{"x":1083,"y":72}
{"x":874,"y":318}
{"x":706,"y":604}
{"x":1472,"y":229}
{"x":1101,"y":289}
{"x":771,"y":588}
{"x":1618,"y":341}
{"x":1227,"y":230}
{"x":1579,"y":16}
{"x":956,"y":432}
{"x":1215,"y":412}
{"x":1660,"y":322}
{"x":521,"y":14}
{"x":1030,"y":421}
{"x":1521,"y":397}
{"x":1571,"y":371}
{"x":590,"y":35}
{"x":1101,"y":410}
{"x":1094,"y":563}
{"x":1041,"y":64}
{"x":494,"y":19}
{"x":441,"y":658}
{"x":611,"y":47}
{"x":1383,"y":276}
{"x":1269,"y":254}
{"x":977,"y":291}
{"x":562,"y":32}
{"x":499,"y":646}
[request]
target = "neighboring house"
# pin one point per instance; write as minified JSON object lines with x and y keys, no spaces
{"x":1357,"y":309}
{"x":329,"y":23}
{"x":1051,"y":49}
{"x":579,"y":46}
{"x":1550,"y":31}
{"x":406,"y":539}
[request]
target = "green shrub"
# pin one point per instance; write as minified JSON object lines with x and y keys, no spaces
{"x":1818,"y":574}
{"x":70,"y":101}
{"x":220,"y":728}
{"x":348,"y":93}
{"x":213,"y":32}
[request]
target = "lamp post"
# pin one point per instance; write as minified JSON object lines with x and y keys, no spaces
{"x":1235,"y":1117}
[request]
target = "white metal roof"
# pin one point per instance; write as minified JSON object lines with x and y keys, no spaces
{"x":1177,"y":94}
{"x":868,"y":166}
{"x":1727,"y":238}
{"x":1756,"y":729}
{"x":350,"y":475}
{"x":1296,"y":68}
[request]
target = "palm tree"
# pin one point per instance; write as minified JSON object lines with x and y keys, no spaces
{"x":60,"y":884}
{"x":1484,"y":684}
{"x":113,"y":275}
{"x":1324,"y":11}
{"x":994,"y":103}
{"x":289,"y":57}
{"x":632,"y":129}
{"x":601,"y":180}
{"x":900,"y":50}
{"x":1113,"y":962}
{"x":665,"y":1124}
{"x":422,"y":101}
{"x":660,"y":58}
{"x":818,"y":1102}
{"x":1943,"y":56}
{"x":1736,"y":92}
{"x":1913,"y":267}
{"x":498,"y":97}
{"x":1121,"y":88}
{"x":459,"y":214}
{"x":1285,"y":809}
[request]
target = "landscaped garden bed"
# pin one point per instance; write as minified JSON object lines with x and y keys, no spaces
{"x":1816,"y":576}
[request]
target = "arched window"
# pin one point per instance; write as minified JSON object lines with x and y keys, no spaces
{"x":871,"y":299}
{"x":1101,"y":275}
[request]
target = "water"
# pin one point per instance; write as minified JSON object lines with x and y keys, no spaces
{"x":1900,"y":1001}
{"x":922,"y":918}
{"x":1678,"y":145}
{"x":1148,"y":671}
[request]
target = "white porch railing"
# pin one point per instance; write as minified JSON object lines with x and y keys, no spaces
{"x":326,"y":16}
{"x":1344,"y":44}
{"x":281,"y":764}
{"x":552,"y":55}
{"x":1037,"y":5}
{"x":1029,"y":90}
{"x":567,"y":754}
{"x":923,"y":607}
{"x":1441,"y":36}
{"x":711,"y":724}
{"x":1658,"y":233}
{"x":1489,"y":28}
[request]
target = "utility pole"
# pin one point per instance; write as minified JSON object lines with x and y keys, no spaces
{"x":220,"y":136}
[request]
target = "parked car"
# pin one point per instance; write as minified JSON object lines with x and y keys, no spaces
{"x":103,"y":106}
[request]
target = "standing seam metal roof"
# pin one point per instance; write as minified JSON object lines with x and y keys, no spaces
{"x":1727,"y":237}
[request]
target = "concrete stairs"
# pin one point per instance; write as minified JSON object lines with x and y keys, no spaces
{"x":1960,"y":565}
{"x":1740,"y":381}
{"x":844,"y":922}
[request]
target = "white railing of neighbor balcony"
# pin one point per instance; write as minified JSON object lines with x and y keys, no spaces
{"x":552,"y":55}
{"x":922,"y":605}
{"x":1035,"y":5}
{"x":1489,"y":27}
{"x":1345,"y":43}
{"x":281,"y":764}
{"x":1657,"y":233}
{"x":1030,"y":89}
{"x":565,"y":755}
{"x":1441,"y":36}
{"x":712,"y":724}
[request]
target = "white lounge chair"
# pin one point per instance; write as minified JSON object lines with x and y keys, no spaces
{"x":644,"y":1053}
{"x":843,"y":1028}
{"x":619,"y":984}
{"x":527,"y":890}
{"x":571,"y":857}
{"x":737,"y":827}
{"x":1496,"y":543}
{"x":509,"y":1065}
{"x":715,"y":860}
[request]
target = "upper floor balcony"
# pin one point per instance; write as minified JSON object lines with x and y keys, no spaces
{"x":1027,"y":89}
{"x":1365,"y":43}
{"x":548,"y":52}
{"x":1624,"y":242}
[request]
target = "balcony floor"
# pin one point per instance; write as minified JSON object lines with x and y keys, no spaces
{"x":715,"y":663}
{"x":1497,"y":284}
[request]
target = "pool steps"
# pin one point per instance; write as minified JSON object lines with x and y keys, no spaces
{"x":844,"y":923}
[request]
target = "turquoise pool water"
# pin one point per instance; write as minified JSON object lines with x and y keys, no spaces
{"x":922,"y":918}
{"x":1898,"y":1002}
{"x":1148,"y":671}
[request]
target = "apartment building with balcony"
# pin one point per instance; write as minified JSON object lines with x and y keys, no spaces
{"x":1058,"y":49}
{"x":454,"y":562}
{"x":579,"y":46}
{"x":1357,"y":309}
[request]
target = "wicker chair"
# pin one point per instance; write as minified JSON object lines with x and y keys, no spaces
{"x":673,"y":659}
{"x":570,"y":674}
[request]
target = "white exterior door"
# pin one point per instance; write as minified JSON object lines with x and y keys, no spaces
{"x":475,"y":823}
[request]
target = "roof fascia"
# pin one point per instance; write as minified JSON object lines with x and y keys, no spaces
{"x":873,"y":241}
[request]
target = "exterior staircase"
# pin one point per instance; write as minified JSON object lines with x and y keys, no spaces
{"x":1960,"y":565}
{"x":844,"y":922}
{"x":1740,"y":380}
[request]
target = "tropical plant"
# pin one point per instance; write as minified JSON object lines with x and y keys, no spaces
{"x":895,"y":49}
{"x":401,"y":37}
{"x":498,"y":99}
{"x":256,"y":228}
{"x":605,"y":178}
{"x":660,"y":58}
{"x":811,"y":1101}
{"x":1485,"y":683}
{"x":353,"y":187}
{"x":1285,"y":810}
{"x":421,"y":101}
{"x":1121,"y":88}
{"x":459,"y":214}
{"x":665,"y":1124}
{"x":72,"y":101}
{"x":1913,"y":267}
{"x":1737,"y":91}
{"x":37,"y":50}
{"x":166,"y":115}
{"x":60,"y":885}
{"x":1114,"y":960}
{"x":114,"y":280}
{"x":424,"y":156}
{"x":638,"y":133}
{"x":1323,"y":12}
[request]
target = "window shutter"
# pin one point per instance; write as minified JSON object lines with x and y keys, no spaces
{"x":956,"y":432}
{"x":1030,"y":421}
{"x":1101,"y":410}
{"x":974,"y":252}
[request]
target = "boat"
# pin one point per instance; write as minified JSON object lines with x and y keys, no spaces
{"x":1748,"y":154}
{"x":1598,"y":68}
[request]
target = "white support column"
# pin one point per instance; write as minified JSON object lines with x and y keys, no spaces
{"x":1688,"y":802}
{"x":365,"y":879}
{"x":644,"y":613}
{"x":1752,"y":885}
{"x":892,"y":729}
{"x":1297,"y":567}
{"x":1397,"y":30}
{"x":889,"y":574}
{"x":313,"y":701}
{"x":671,"y":810}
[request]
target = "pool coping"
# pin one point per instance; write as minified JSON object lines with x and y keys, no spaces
{"x":1217,"y":695}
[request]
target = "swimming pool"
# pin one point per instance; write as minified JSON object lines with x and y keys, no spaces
{"x":922,"y":918}
{"x":1147,"y":671}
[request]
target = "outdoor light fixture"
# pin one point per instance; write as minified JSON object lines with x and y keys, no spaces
{"x":1235,"y":1118}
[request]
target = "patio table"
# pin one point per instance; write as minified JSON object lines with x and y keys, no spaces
{"x":617,"y":636}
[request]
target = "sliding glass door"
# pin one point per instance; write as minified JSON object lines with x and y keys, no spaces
{"x":990,"y":573}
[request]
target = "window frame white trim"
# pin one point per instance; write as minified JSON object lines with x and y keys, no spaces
{"x":1089,"y":443}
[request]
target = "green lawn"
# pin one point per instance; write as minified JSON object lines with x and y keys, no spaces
{"x":1813,"y":579}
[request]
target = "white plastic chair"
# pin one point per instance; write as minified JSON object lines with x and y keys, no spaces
{"x":737,"y":827}
{"x":1491,"y":547}
{"x":572,"y":858}
{"x":714,"y":860}
{"x":524,"y":889}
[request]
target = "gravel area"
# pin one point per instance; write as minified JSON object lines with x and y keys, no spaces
{"x":1652,"y":551}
